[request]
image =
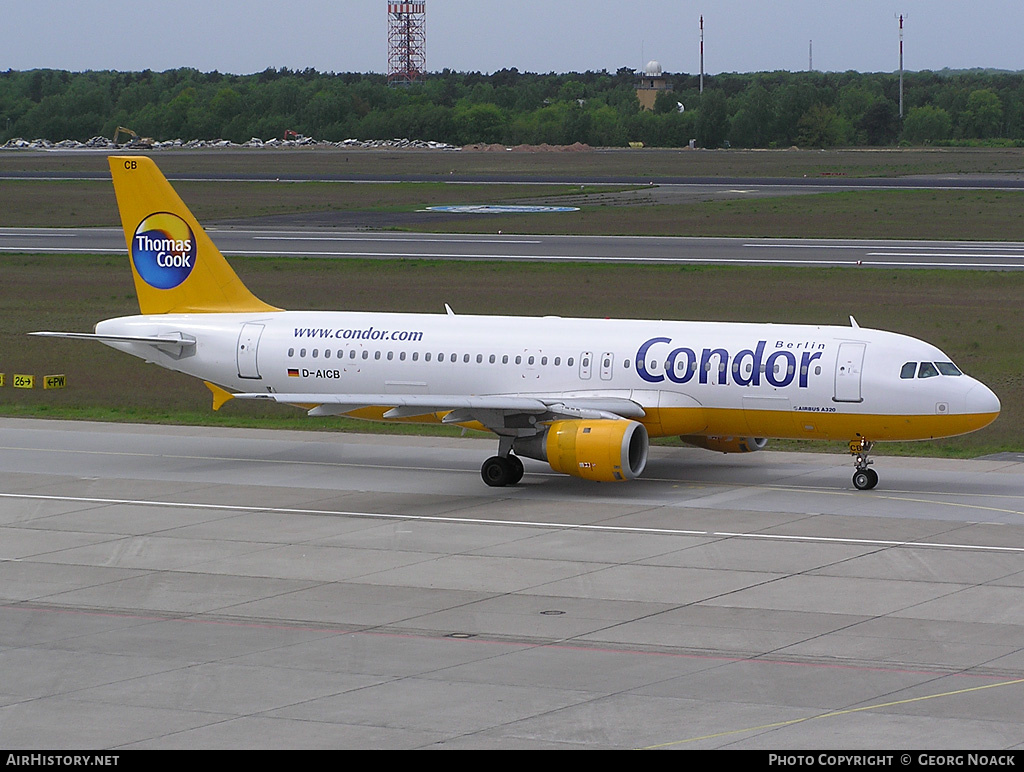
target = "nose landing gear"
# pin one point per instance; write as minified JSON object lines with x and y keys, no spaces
{"x":865,"y":478}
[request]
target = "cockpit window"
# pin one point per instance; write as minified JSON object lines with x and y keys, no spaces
{"x":948,"y":368}
{"x":927,"y":370}
{"x":908,"y":370}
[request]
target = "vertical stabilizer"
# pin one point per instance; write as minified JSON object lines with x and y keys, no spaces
{"x":176,"y":266}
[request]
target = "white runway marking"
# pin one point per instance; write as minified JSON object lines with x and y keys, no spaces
{"x":519,"y":523}
{"x":396,"y":239}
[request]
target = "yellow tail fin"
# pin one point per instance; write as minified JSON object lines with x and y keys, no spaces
{"x":176,"y":266}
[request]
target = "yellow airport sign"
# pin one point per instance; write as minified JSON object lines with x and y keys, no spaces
{"x":24,"y":381}
{"x":1,"y":379}
{"x":55,"y":381}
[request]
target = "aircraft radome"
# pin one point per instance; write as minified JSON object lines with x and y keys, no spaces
{"x":584,"y":395}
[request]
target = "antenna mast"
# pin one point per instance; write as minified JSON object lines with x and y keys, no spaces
{"x":901,"y":65}
{"x":702,"y":53}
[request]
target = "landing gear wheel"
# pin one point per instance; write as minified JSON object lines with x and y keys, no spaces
{"x":498,"y":472}
{"x":865,"y":479}
{"x":517,"y":470}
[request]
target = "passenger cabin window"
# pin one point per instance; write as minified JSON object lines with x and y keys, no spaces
{"x":908,"y":370}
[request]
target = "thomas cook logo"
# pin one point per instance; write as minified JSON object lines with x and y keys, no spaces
{"x":164,"y":250}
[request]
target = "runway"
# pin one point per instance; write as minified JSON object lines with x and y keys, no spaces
{"x":166,"y":587}
{"x":326,"y":171}
{"x":641,"y":250}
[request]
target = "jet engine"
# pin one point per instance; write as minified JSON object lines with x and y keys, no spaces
{"x":726,"y":444}
{"x":605,"y":450}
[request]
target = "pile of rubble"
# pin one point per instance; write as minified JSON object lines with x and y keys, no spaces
{"x":17,"y":143}
{"x":373,"y":144}
{"x":415,"y":144}
{"x":105,"y":143}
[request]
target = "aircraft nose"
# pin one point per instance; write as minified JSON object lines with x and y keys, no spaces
{"x":981,"y":399}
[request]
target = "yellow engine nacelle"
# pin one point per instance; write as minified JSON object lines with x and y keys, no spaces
{"x":605,"y":450}
{"x":727,"y":444}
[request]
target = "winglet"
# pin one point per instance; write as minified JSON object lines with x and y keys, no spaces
{"x":220,"y":396}
{"x":177,"y":268}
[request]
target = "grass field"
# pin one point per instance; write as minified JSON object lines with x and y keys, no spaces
{"x":975,"y":215}
{"x":646,"y":163}
{"x":965,"y":313}
{"x":962,"y":215}
{"x":89,"y":203}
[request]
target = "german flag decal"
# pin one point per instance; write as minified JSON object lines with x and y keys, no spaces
{"x":293,"y":372}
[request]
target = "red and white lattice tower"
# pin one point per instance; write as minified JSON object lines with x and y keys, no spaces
{"x":407,"y":43}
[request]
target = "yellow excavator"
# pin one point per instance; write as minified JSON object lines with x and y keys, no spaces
{"x":134,"y":139}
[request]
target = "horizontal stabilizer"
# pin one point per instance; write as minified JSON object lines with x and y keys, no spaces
{"x":173,"y":342}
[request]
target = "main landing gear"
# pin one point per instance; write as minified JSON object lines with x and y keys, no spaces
{"x":504,"y":468}
{"x":865,"y":478}
{"x":499,"y":471}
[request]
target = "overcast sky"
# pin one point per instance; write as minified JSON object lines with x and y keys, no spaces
{"x":244,"y":36}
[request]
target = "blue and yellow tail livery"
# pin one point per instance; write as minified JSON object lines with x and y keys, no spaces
{"x":177,"y":268}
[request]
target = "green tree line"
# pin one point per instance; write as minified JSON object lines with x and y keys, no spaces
{"x":769,"y":109}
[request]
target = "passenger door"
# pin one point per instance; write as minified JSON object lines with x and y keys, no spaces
{"x":849,"y":367}
{"x":248,"y":345}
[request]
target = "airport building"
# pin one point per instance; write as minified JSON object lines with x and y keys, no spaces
{"x":652,"y":82}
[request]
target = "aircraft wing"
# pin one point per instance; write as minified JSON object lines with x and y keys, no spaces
{"x":491,"y":411}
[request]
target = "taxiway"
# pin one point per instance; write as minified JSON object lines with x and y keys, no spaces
{"x":639,"y":250}
{"x":195,"y":587}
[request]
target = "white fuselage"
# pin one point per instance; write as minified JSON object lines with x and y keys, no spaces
{"x":691,"y":378}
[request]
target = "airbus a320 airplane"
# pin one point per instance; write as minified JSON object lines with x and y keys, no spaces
{"x":584,"y":395}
